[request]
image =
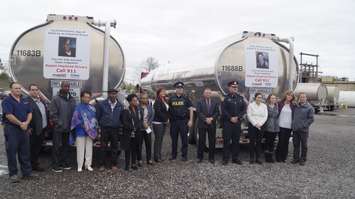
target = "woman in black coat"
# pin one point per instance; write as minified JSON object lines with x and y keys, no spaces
{"x":160,"y":121}
{"x":132,"y":120}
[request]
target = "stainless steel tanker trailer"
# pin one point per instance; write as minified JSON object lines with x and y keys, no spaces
{"x":317,"y":94}
{"x":232,"y":59}
{"x":37,"y":56}
{"x":332,"y":98}
{"x":71,"y":48}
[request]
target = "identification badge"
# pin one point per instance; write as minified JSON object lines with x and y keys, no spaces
{"x":148,"y":130}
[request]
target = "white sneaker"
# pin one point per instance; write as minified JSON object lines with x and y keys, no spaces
{"x":89,"y":168}
{"x":80,"y":170}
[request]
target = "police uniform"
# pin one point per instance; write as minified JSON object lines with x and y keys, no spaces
{"x":232,"y":106}
{"x":179,"y":115}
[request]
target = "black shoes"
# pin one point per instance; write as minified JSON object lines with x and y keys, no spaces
{"x":134,"y":167}
{"x":66,"y":166}
{"x":211,"y":161}
{"x":172,"y":158}
{"x":199,"y":161}
{"x":30,"y":177}
{"x":301,"y":162}
{"x":14,"y":179}
{"x":258,"y":162}
{"x":184,"y":159}
{"x":38,"y":168}
{"x":237,"y":161}
{"x":57,"y":169}
{"x":294,"y":161}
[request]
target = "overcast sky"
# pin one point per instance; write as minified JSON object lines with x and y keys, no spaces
{"x":165,"y":29}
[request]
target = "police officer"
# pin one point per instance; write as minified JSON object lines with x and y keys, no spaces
{"x":181,"y":114}
{"x":233,"y":109}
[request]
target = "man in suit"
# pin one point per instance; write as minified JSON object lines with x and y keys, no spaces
{"x":207,"y":112}
{"x":38,"y":123}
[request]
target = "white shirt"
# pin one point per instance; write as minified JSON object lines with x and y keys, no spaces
{"x":257,"y":114}
{"x":42,"y":109}
{"x":113,"y":105}
{"x":285,"y":118}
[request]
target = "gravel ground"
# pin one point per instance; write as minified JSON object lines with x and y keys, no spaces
{"x":329,"y":173}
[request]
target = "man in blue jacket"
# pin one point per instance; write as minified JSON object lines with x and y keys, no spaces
{"x":108,"y":113}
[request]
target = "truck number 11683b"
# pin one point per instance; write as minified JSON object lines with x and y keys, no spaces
{"x":29,"y":53}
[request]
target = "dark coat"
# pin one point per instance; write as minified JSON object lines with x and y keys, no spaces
{"x":203,"y":112}
{"x":303,"y":117}
{"x":36,"y":122}
{"x":106,"y":117}
{"x":233,"y":106}
{"x":128,"y":127}
{"x":161,"y":113}
{"x":61,"y":111}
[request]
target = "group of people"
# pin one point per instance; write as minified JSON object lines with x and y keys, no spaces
{"x":119,"y":127}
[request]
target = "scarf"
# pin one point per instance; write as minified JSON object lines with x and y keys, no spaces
{"x":84,"y":115}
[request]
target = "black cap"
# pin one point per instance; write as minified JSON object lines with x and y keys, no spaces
{"x":179,"y":84}
{"x":112,"y":90}
{"x":233,"y":83}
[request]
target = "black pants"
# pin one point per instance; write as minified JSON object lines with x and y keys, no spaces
{"x":211,"y":131}
{"x":17,"y":144}
{"x":231,"y":132}
{"x":270,"y":141}
{"x":159,"y":132}
{"x":282,"y":145}
{"x":147,"y":138}
{"x":60,"y":151}
{"x":109,"y":146}
{"x":269,"y":145}
{"x":36,"y":146}
{"x":179,"y":127}
{"x":300,"y":140}
{"x":255,"y":136}
{"x":131,"y":152}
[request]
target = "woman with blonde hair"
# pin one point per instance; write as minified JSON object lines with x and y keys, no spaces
{"x":286,"y":107}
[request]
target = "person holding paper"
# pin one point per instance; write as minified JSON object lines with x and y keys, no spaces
{"x":145,"y":135}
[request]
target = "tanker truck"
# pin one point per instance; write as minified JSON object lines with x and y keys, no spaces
{"x":37,"y":56}
{"x":232,"y":59}
{"x":71,"y":48}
